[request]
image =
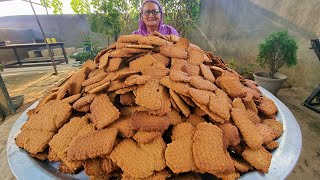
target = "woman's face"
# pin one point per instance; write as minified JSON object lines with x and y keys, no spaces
{"x":150,"y":14}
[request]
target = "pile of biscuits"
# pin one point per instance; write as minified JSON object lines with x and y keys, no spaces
{"x":154,"y":107}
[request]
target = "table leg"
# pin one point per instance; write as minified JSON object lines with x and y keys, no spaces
{"x":17,"y":56}
{"x":64,"y":53}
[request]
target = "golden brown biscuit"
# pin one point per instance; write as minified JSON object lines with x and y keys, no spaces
{"x":191,"y":69}
{"x":231,"y":135}
{"x":266,"y":132}
{"x":230,"y":83}
{"x":174,"y":52}
{"x":155,"y":72}
{"x":220,"y":108}
{"x":202,"y":84}
{"x":41,"y":156}
{"x":129,"y":38}
{"x":198,"y":111}
{"x":150,"y":95}
{"x":195,"y":56}
{"x":179,"y":76}
{"x":208,"y":150}
{"x":75,"y":82}
{"x":127,"y":99}
{"x":271,"y":145}
{"x":181,"y":88}
{"x":145,"y":122}
{"x":99,"y":88}
{"x":95,"y":144}
{"x":195,"y":119}
{"x":247,"y":128}
{"x":207,"y":73}
{"x":124,"y":127}
{"x":161,"y":58}
{"x":92,"y":167}
{"x":139,"y":46}
{"x":108,"y":166}
{"x":182,"y":106}
{"x":212,"y":116}
{"x":174,"y":117}
{"x":178,"y":64}
{"x":143,"y":137}
{"x":237,"y":103}
{"x":86,"y":100}
{"x":201,"y":96}
{"x":249,"y":103}
{"x":183,"y":43}
{"x":97,"y":84}
{"x":267,"y":107}
{"x":103,"y":112}
{"x":72,"y":99}
{"x":94,"y":79}
{"x":258,"y":158}
{"x":182,"y":130}
{"x":187,"y":100}
{"x":114,"y":64}
{"x":53,"y":156}
{"x":241,"y":165}
{"x":103,"y":60}
{"x":141,"y":62}
{"x":275,"y":125}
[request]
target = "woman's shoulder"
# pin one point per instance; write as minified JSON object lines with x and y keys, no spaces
{"x":170,"y":29}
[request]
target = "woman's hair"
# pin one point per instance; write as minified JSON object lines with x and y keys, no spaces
{"x":141,"y":23}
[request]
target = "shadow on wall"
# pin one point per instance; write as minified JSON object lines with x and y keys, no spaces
{"x":236,"y":27}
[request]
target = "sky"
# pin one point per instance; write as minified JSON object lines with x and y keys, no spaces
{"x":18,"y":7}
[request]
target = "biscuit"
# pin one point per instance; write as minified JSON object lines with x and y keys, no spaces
{"x":174,"y":52}
{"x":124,"y":127}
{"x":145,"y":122}
{"x":114,"y":64}
{"x":103,"y":60}
{"x":84,"y":101}
{"x":182,"y":106}
{"x":195,"y":56}
{"x":181,"y":88}
{"x":150,"y":95}
{"x":207,"y":73}
{"x":195,"y":119}
{"x":155,"y":72}
{"x":267,"y":107}
{"x":143,"y":137}
{"x":179,"y":76}
{"x":258,"y":158}
{"x":141,"y":62}
{"x":72,"y":98}
{"x":161,"y":58}
{"x":275,"y":125}
{"x":202,"y":84}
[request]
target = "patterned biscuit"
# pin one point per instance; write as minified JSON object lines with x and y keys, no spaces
{"x":141,"y":62}
{"x":207,"y":73}
{"x":247,"y":128}
{"x":116,"y":85}
{"x":132,"y":159}
{"x":150,"y":95}
{"x":139,"y":46}
{"x":183,"y":43}
{"x":53,"y":156}
{"x":33,"y":141}
{"x":135,"y":50}
{"x":252,"y":85}
{"x":124,"y":127}
{"x":72,"y":98}
{"x":84,"y":101}
{"x":202,"y":84}
{"x":143,"y":137}
{"x":156,"y":33}
{"x":201,"y":96}
{"x":275,"y":125}
{"x":95,"y":72}
{"x":271,"y":145}
{"x":61,"y":93}
{"x":51,"y":117}
{"x":112,"y":46}
{"x":99,"y":88}
{"x":237,"y":103}
{"x":177,"y":64}
{"x":129,"y":38}
{"x":173,"y":38}
{"x":179,"y":157}
{"x":108,"y":166}
{"x":241,"y":165}
{"x":254,"y":117}
{"x":165,"y":105}
{"x":156,"y":149}
{"x":94,"y":79}
{"x":95,"y":144}
{"x":120,"y":53}
{"x":155,"y":72}
{"x":181,"y":88}
{"x":182,"y":130}
{"x":88,"y":66}
{"x":217,"y":106}
{"x":231,"y":135}
{"x":131,"y":80}
{"x":65,"y":169}
{"x":123,"y":74}
{"x":114,"y":64}
{"x":249,"y":103}
{"x":126,"y":90}
{"x":62,"y":139}
{"x":145,"y":122}
{"x":206,"y":58}
{"x":174,"y":117}
{"x":258,"y":158}
{"x":267,"y":107}
{"x":208,"y":150}
{"x":266,"y":132}
{"x":195,"y":119}
{"x":191,"y":69}
{"x":179,"y":76}
{"x":187,"y":100}
{"x":195,"y":56}
{"x":174,"y":52}
{"x":231,"y":84}
{"x":41,"y":156}
{"x":154,"y":40}
{"x":174,"y":105}
{"x":92,"y":167}
{"x":103,"y":60}
{"x":224,"y":98}
{"x":182,"y":106}
{"x":97,"y":84}
{"x":103,"y":176}
{"x":213,"y":116}
{"x":48,"y":97}
{"x":103,"y":112}
{"x":120,"y":45}
{"x":161,"y":58}
{"x":75,"y":82}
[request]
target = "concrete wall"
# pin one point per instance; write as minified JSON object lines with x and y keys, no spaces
{"x":234,"y":28}
{"x":67,"y":28}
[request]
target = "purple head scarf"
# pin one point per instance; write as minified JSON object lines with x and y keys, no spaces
{"x":163,"y":28}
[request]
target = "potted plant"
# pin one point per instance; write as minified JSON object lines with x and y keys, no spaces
{"x":277,"y":50}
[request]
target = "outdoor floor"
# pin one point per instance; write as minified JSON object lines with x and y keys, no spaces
{"x":34,"y":82}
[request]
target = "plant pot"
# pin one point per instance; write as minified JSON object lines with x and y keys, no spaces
{"x":272,"y":85}
{"x":17,"y":101}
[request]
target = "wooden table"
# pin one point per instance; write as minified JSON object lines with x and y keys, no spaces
{"x":14,"y":47}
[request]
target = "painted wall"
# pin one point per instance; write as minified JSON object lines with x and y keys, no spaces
{"x":234,"y":28}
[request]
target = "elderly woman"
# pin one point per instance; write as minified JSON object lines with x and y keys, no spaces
{"x":151,"y":19}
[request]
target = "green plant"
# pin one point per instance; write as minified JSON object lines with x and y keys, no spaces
{"x":277,"y":50}
{"x":244,"y":70}
{"x":90,"y":50}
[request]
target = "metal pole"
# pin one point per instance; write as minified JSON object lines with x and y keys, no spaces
{"x":44,"y":36}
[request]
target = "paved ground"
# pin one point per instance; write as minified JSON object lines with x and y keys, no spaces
{"x":33,"y":82}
